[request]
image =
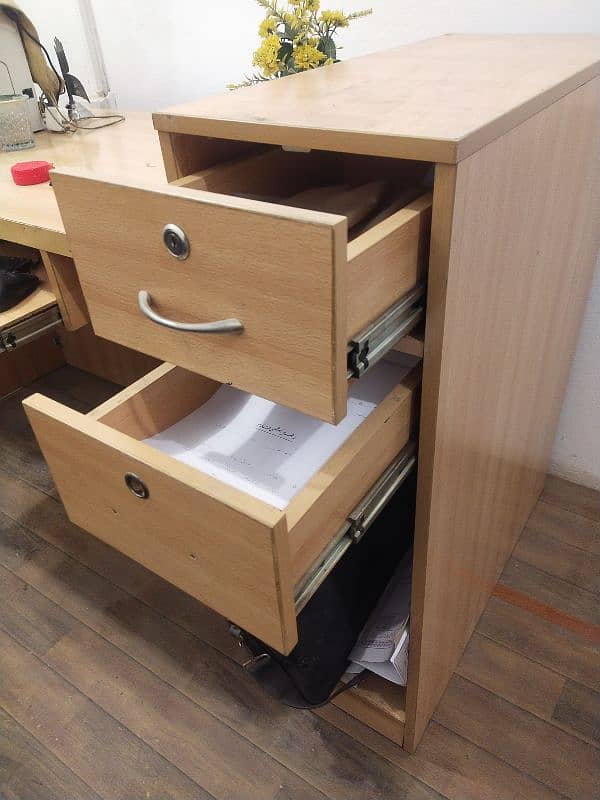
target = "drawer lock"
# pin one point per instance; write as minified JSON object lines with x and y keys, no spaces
{"x":176,"y":241}
{"x":136,"y":486}
{"x":359,"y":521}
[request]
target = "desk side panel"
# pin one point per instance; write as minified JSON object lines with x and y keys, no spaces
{"x":514,"y":243}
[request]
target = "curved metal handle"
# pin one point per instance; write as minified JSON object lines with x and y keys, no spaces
{"x":220,"y":326}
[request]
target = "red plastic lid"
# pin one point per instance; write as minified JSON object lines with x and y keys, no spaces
{"x":26,"y":173}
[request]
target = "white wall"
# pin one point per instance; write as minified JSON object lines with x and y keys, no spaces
{"x":158,"y":54}
{"x":61,"y":18}
{"x":576,"y":454}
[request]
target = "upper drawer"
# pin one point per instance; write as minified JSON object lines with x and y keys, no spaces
{"x":298,"y":287}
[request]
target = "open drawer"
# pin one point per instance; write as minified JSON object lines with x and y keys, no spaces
{"x":33,"y":317}
{"x":246,"y":559}
{"x":56,"y":301}
{"x":287,"y":287}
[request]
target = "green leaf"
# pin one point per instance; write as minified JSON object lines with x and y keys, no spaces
{"x":327,"y":47}
{"x":285,"y":51}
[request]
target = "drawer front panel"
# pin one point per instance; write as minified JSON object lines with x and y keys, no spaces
{"x":280,"y":271}
{"x":219,"y":554}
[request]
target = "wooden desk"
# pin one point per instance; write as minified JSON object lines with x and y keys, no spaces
{"x":29,"y":216}
{"x":510,"y":126}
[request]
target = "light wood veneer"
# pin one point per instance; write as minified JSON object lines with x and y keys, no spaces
{"x":512,"y":126}
{"x":235,"y":553}
{"x":291,"y":277}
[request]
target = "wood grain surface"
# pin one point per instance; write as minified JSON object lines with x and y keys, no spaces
{"x":96,"y":650}
{"x":226,"y":549}
{"x":445,"y":97}
{"x":279,"y":270}
{"x":249,"y":574}
{"x":64,"y":283}
{"x":524,"y":224}
{"x":29,"y":215}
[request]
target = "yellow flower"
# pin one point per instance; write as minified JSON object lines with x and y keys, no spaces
{"x":266,"y":56}
{"x":313,"y":5}
{"x":306,"y":56}
{"x":337,"y":18}
{"x":267,"y":26}
{"x":292,"y":21}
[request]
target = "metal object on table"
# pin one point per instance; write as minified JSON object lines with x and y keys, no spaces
{"x":15,"y":124}
{"x":73,"y":85}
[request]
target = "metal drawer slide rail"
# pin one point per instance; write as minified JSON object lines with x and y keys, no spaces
{"x":358,"y":522}
{"x":374,"y":341}
{"x":27,"y":330}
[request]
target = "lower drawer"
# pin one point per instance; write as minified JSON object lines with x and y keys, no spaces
{"x":246,"y":559}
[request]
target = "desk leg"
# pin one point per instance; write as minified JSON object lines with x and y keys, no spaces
{"x":63,"y":281}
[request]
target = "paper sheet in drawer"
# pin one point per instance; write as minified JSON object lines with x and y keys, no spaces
{"x":265,"y":449}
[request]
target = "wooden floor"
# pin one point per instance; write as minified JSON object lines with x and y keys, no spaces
{"x":114,"y":684}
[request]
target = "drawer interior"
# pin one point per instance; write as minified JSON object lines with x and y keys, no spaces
{"x":386,"y":201}
{"x":314,"y":515}
{"x":365,"y":189}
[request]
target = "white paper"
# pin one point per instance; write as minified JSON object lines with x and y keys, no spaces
{"x":395,"y":670}
{"x":265,"y":449}
{"x":382,"y":646}
{"x":399,"y":659}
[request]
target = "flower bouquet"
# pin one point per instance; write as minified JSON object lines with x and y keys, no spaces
{"x":296,"y":36}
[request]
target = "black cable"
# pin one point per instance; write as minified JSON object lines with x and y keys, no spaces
{"x":343,"y":688}
{"x":116,"y":118}
{"x":72,"y":125}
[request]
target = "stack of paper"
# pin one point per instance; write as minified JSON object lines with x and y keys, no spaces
{"x":268,"y":450}
{"x":382,"y":646}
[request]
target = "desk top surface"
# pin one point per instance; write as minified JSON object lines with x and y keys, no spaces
{"x":29,"y":214}
{"x":437,"y":100}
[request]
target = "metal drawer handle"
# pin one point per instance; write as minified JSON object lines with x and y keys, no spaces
{"x":220,"y":326}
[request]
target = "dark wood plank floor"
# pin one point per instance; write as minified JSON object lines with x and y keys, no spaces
{"x":114,"y":684}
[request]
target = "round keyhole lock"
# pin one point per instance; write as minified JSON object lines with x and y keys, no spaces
{"x":136,"y":485}
{"x":176,"y":241}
